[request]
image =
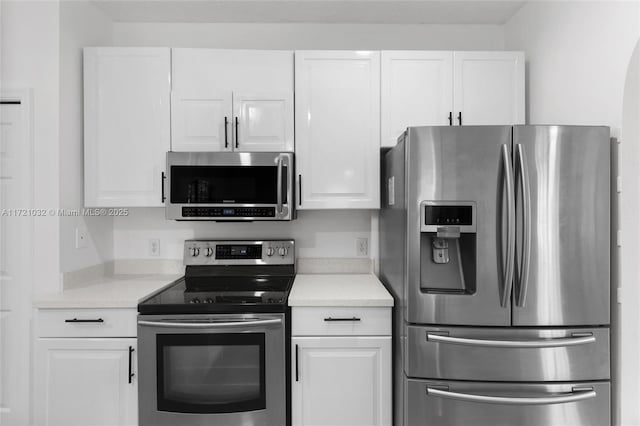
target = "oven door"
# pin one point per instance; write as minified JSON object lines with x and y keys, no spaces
{"x":226,"y":186}
{"x":212,"y":369}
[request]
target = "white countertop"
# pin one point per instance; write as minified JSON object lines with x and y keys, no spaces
{"x":364,"y":290}
{"x":123,"y":291}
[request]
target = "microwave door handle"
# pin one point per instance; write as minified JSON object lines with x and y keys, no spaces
{"x":279,"y":183}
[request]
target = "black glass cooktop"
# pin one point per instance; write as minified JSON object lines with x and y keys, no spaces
{"x":223,"y":290}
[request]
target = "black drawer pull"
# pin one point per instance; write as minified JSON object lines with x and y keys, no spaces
{"x":76,"y":320}
{"x":342,"y":319}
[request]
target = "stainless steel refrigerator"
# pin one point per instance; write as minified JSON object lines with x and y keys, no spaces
{"x":494,"y":241}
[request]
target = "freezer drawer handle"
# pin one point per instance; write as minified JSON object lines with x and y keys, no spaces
{"x":208,"y":324}
{"x":574,"y":396}
{"x":544,"y":343}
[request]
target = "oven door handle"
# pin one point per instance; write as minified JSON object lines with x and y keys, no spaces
{"x":196,"y":324}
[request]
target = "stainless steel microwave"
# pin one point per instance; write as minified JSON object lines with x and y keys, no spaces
{"x":230,"y":186}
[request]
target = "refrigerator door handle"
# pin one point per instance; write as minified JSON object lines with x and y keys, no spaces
{"x":542,"y":343}
{"x":511,"y":228}
{"x":575,"y":395}
{"x":523,"y":272}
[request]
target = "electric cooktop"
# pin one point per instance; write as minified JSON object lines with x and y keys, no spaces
{"x":228,"y":276}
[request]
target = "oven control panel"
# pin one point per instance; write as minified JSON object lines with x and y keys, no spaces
{"x":239,"y":252}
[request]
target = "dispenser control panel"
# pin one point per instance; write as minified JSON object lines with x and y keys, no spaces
{"x":458,"y":215}
{"x":448,"y":215}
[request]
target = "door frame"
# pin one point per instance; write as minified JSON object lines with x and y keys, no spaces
{"x":23,"y":306}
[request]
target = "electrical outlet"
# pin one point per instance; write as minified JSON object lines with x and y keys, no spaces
{"x":154,"y":247}
{"x":362,"y":246}
{"x":81,"y":238}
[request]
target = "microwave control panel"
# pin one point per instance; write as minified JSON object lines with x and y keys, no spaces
{"x":228,"y":212}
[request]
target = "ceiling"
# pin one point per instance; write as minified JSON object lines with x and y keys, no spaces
{"x":312,"y":11}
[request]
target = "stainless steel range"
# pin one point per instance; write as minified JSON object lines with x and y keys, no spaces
{"x":213,"y":345}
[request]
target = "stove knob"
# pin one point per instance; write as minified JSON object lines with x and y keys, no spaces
{"x":270,"y":251}
{"x":195,"y":251}
{"x":209,"y":252}
{"x":196,"y":300}
{"x":282,"y":251}
{"x":209,"y":300}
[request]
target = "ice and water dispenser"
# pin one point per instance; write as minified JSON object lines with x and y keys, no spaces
{"x":448,"y":247}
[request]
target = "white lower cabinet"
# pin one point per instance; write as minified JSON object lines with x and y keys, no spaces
{"x":340,"y":379}
{"x":84,"y":381}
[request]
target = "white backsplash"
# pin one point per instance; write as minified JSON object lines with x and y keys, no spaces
{"x":318,"y":234}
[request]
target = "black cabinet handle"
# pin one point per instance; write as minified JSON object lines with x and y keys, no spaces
{"x":299,"y":190}
{"x":342,"y":319}
{"x":226,"y":125}
{"x":131,"y":373}
{"x":76,"y":320}
{"x":164,"y":177}
{"x":297,"y":371}
{"x":237,"y":125}
{"x":460,"y":118}
{"x":450,"y":118}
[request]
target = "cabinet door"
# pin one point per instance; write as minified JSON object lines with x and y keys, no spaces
{"x":201,"y":121}
{"x":338,"y":129}
{"x":264,"y":121}
{"x":231,"y":69}
{"x":262,"y":85}
{"x":126,"y":125}
{"x":417,"y":90}
{"x":86,"y":382}
{"x":488,"y":88}
{"x":342,"y":381}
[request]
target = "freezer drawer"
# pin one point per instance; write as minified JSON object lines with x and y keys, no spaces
{"x":506,"y":354}
{"x":449,"y":403}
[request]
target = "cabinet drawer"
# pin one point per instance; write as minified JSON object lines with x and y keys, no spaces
{"x":86,"y":323}
{"x":340,"y":321}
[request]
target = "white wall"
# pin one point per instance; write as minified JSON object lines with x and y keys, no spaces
{"x":30,"y":60}
{"x":81,"y":24}
{"x":317,"y":233}
{"x":630,"y":205}
{"x":577,"y":54}
{"x":311,"y":36}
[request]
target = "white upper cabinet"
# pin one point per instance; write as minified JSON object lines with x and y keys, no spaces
{"x":417,"y":90}
{"x":439,"y":88}
{"x":201,"y":121}
{"x":127,"y":121}
{"x":338,"y":129}
{"x":263,"y":121}
{"x":224,"y":100}
{"x":488,"y":88}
